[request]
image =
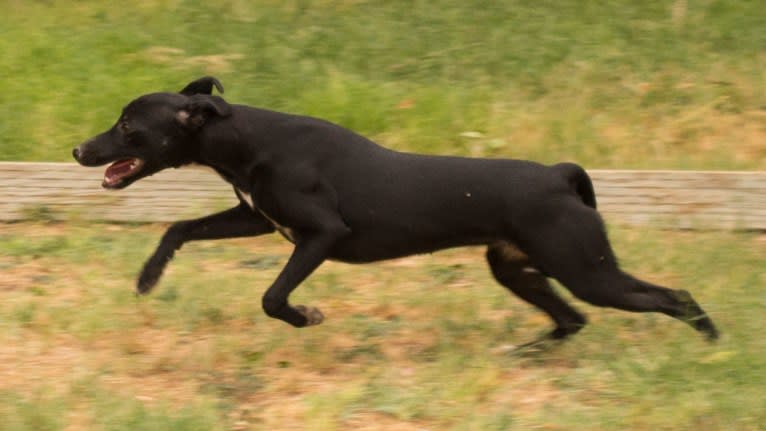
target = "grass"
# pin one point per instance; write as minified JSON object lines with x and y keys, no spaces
{"x":655,"y":84}
{"x":415,"y":343}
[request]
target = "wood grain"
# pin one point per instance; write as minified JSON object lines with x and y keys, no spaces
{"x":669,"y":199}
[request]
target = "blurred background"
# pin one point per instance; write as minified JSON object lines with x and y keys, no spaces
{"x":421,"y":343}
{"x":654,"y":84}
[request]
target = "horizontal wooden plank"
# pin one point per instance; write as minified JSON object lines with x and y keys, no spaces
{"x":677,"y":199}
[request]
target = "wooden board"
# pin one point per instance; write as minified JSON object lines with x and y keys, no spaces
{"x":683,"y":199}
{"x":67,"y":190}
{"x":671,"y":199}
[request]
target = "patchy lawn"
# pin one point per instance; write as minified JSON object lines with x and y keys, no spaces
{"x":417,"y":343}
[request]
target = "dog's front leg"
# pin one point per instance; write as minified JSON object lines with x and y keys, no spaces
{"x":236,"y":222}
{"x":310,"y":251}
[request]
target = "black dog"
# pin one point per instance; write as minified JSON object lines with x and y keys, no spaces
{"x":337,"y":195}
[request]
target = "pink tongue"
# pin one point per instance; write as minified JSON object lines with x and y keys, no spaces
{"x":119,"y":168}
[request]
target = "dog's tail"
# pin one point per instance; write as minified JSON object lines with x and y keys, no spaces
{"x":579,"y":180}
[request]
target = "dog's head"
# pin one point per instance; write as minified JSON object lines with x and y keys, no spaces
{"x":154,"y":132}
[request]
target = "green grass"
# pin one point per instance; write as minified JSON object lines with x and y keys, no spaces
{"x":660,"y":84}
{"x":415,"y":343}
{"x":105,"y":410}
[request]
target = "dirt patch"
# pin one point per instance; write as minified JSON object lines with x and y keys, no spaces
{"x":364,"y":421}
{"x":20,"y":276}
{"x":213,"y":63}
{"x":60,"y":363}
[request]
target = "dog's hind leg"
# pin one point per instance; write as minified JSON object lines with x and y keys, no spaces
{"x":575,"y":250}
{"x":513,"y":270}
{"x":236,"y":222}
{"x":617,"y":289}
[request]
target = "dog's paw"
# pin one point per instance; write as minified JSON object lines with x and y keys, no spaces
{"x":312,"y":314}
{"x":146,"y":281}
{"x":151,"y":273}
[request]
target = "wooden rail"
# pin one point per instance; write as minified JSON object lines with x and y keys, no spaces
{"x":670,"y":199}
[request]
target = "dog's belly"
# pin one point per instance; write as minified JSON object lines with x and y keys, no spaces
{"x":360,"y":248}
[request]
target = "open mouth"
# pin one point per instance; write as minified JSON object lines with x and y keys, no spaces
{"x":118,"y":171}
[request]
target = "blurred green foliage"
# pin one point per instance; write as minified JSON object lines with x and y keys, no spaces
{"x":618,"y":83}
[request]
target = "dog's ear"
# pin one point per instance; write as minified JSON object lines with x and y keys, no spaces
{"x":200,"y":108}
{"x":203,"y":85}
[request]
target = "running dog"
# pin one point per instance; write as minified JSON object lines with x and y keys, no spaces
{"x":337,"y":195}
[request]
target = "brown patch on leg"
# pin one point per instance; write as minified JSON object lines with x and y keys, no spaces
{"x":312,"y":314}
{"x":511,"y":268}
{"x":509,"y":252}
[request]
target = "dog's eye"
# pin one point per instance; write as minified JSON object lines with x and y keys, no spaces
{"x":123,"y":126}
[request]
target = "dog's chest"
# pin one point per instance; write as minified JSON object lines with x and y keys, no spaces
{"x":286,"y":232}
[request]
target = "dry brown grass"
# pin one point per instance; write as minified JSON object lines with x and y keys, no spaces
{"x":420,"y":343}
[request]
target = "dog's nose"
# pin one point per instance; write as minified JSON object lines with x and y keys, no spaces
{"x":76,"y":153}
